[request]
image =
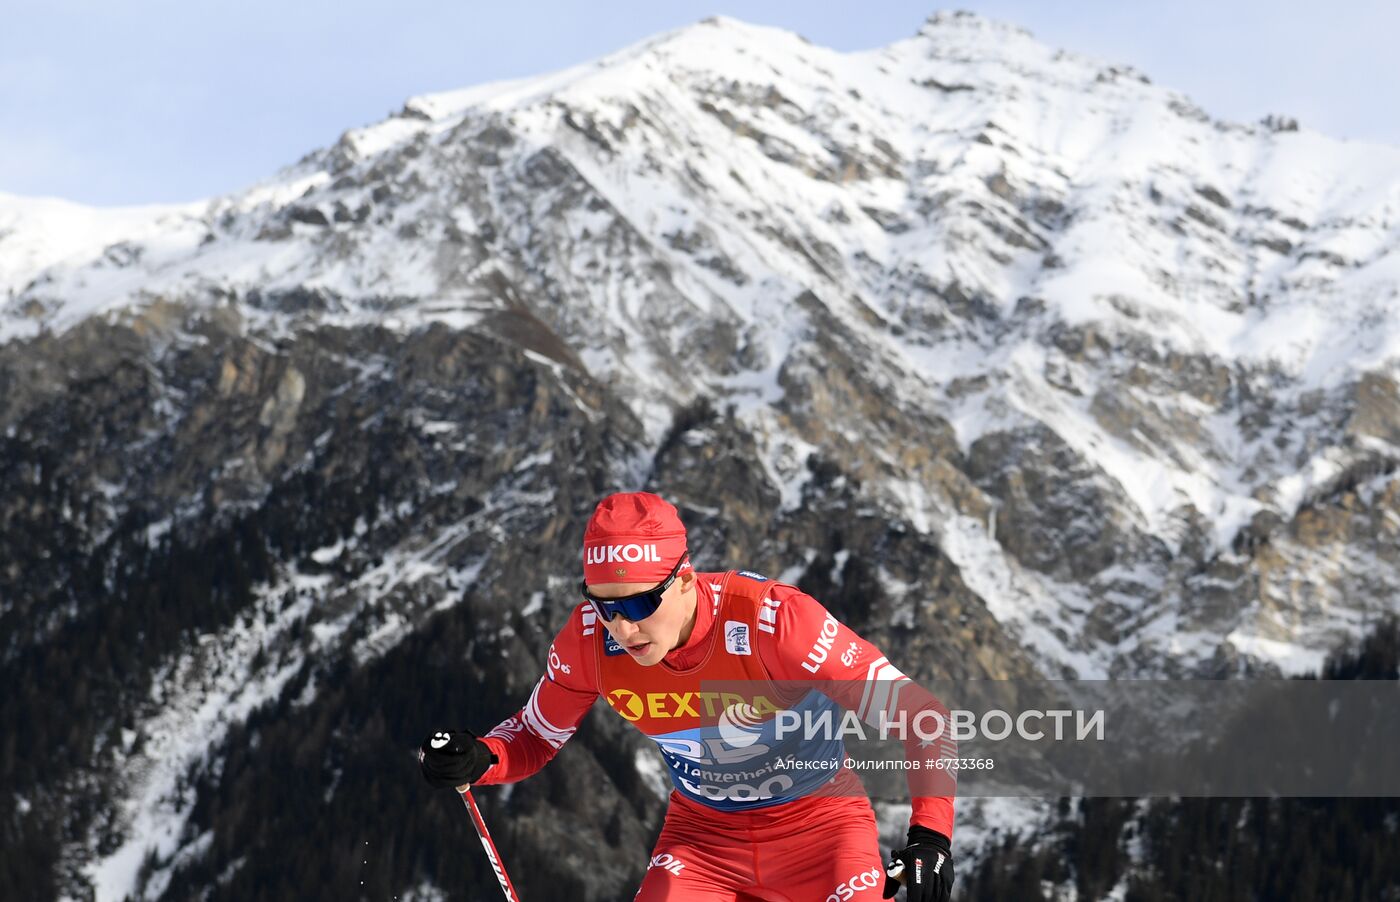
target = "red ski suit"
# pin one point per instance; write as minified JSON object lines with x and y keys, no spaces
{"x":766,"y":832}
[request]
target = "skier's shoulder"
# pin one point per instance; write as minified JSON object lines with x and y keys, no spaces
{"x":756,"y":584}
{"x":570,"y":654}
{"x":738,"y":590}
{"x":790,"y":612}
{"x":583,"y":622}
{"x":737,"y":582}
{"x":580,"y":630}
{"x":776,"y":601}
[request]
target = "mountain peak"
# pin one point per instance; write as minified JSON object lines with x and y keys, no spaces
{"x":968,"y":37}
{"x":967,"y":21}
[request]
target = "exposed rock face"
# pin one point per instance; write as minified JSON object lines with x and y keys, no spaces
{"x":1056,"y":514}
{"x":289,"y":476}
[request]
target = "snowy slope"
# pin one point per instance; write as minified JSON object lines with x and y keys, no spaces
{"x":1132,"y":370}
{"x":1009,"y":236}
{"x":37,"y":234}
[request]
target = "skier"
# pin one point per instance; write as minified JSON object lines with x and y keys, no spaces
{"x":673,"y":642}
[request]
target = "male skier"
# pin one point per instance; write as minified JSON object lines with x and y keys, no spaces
{"x":673,"y":641}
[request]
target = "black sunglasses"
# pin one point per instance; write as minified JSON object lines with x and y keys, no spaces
{"x":633,"y":607}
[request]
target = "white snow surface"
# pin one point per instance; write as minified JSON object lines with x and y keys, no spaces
{"x":694,"y":186}
{"x":749,"y":166}
{"x":211,"y":687}
{"x":219,"y":681}
{"x":1076,"y":125}
{"x":39,"y":233}
{"x":752,"y":166}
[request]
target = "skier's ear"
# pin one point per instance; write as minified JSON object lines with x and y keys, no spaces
{"x":687,"y":580}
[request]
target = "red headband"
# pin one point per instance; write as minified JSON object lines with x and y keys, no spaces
{"x":632,"y":537}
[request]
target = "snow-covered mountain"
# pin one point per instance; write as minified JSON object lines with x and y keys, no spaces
{"x":1025,"y":363}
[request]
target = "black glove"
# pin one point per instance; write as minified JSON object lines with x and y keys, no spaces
{"x":454,"y":758}
{"x":928,"y":867}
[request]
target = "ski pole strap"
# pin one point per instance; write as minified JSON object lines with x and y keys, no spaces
{"x":501,"y":876}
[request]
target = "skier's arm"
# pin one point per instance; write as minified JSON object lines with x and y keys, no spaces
{"x":528,"y":740}
{"x":851,"y":667}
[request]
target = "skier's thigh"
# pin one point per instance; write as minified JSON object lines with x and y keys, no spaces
{"x":694,"y":861}
{"x":843,"y":863}
{"x":852,"y":876}
{"x":685,"y":885}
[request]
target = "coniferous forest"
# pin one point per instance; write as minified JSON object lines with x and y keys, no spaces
{"x":1216,"y":849}
{"x":328,"y":795}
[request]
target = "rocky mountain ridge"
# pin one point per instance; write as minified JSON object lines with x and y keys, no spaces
{"x":1020,"y":363}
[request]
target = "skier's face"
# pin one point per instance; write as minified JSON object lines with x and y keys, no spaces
{"x":651,"y":639}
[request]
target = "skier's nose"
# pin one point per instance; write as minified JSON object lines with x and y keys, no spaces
{"x":623,"y":629}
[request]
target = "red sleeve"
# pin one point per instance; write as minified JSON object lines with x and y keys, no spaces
{"x":528,"y":741}
{"x":857,"y":676}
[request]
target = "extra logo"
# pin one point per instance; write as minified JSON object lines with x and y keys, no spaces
{"x":670,"y":705}
{"x":612,"y":554}
{"x":856,"y":883}
{"x":751,"y":575}
{"x":440,"y":739}
{"x":627,"y":703}
{"x":736,"y":637}
{"x":850,"y":656}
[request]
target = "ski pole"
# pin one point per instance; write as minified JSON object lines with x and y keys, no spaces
{"x":506,"y":886}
